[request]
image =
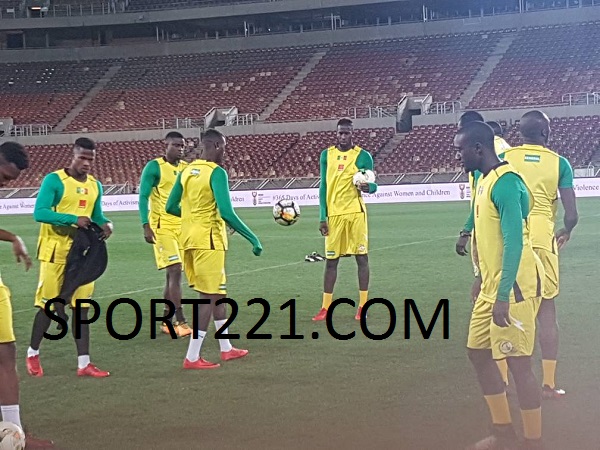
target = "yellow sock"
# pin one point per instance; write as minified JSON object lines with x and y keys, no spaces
{"x":498,"y":405}
{"x":532,"y":423}
{"x":363,"y":297}
{"x":327,"y":299}
{"x":503,"y":367}
{"x":549,"y":369}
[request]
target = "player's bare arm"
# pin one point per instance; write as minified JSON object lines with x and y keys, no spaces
{"x":571,"y":217}
{"x":19,"y":248}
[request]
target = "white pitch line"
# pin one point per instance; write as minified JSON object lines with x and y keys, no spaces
{"x":260,"y":269}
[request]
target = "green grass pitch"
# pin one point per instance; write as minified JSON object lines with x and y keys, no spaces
{"x":412,"y":394}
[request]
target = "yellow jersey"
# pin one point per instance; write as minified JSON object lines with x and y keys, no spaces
{"x":77,"y":199}
{"x":491,"y":246}
{"x":201,"y":224}
{"x":544,"y":172}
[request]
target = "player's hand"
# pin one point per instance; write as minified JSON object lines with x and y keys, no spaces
{"x":363,"y":187}
{"x":257,"y":249}
{"x":20,"y":251}
{"x":461,"y":245}
{"x":324,"y":228}
{"x":562,"y":237}
{"x":149,"y":234}
{"x":107,"y":230}
{"x":500,"y":314}
{"x":475,"y":289}
{"x":83,"y":222}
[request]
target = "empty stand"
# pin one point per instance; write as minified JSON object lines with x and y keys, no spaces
{"x":543,"y":64}
{"x":380,"y":73}
{"x":146,"y":5}
{"x":148,"y":89}
{"x":303,"y":159}
{"x":44,"y":92}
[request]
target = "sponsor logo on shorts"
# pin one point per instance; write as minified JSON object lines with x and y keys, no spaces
{"x":330,"y":253}
{"x":506,"y":347}
{"x":173,"y":258}
{"x":362,"y":249}
{"x":222,"y":287}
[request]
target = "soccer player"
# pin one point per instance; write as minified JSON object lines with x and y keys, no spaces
{"x":503,"y":320}
{"x":343,"y":213}
{"x":201,"y":198}
{"x":13,"y":160}
{"x":161,"y":229}
{"x":547,"y":174}
{"x":68,"y":198}
{"x":467,"y":234}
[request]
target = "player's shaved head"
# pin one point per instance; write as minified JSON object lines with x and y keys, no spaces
{"x":535,"y":128}
{"x":214,"y":143}
{"x":84,"y":144}
{"x":468,"y":117}
{"x":496,"y":127}
{"x":13,"y":159}
{"x":475,"y":143}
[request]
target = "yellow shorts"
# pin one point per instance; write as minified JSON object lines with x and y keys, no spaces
{"x":550,"y":263}
{"x":205,"y":270}
{"x":518,"y":339}
{"x":7,"y":334}
{"x":348,"y":235}
{"x":167,"y":249}
{"x":50,"y":284}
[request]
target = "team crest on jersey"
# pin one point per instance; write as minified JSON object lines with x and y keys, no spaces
{"x":81,"y":190}
{"x":195,"y":172}
{"x":506,"y":347}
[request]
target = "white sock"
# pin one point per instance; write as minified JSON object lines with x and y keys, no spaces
{"x":83,"y":361}
{"x":193,"y":353}
{"x":31,"y":352}
{"x":223,"y":343}
{"x":10,"y":413}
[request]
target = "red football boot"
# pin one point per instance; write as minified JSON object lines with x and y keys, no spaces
{"x":234,"y":353}
{"x":92,"y":371}
{"x":34,"y":368}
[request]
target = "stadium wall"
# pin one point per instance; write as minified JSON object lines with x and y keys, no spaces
{"x":146,"y":135}
{"x":150,"y":48}
{"x":510,"y":115}
{"x":411,"y":193}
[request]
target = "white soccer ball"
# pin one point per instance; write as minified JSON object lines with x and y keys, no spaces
{"x":286,"y":212}
{"x":363,"y":176}
{"x":12,"y":437}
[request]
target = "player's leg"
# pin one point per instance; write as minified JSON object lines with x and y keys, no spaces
{"x":360,"y":247}
{"x":548,"y":324}
{"x":516,"y":343}
{"x":164,"y":251}
{"x":9,"y":380}
{"x":174,"y":295}
{"x":228,"y":351}
{"x":50,"y":282}
{"x":479,"y":343}
{"x":193,"y":360}
{"x":334,"y":244}
{"x":85,"y":368}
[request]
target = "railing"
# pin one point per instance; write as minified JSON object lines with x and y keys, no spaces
{"x":372,"y":112}
{"x":178,"y":122}
{"x":581,"y":98}
{"x":245,"y":119}
{"x":443,"y":108}
{"x":34,"y":129}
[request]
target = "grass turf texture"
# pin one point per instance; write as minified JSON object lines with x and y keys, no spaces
{"x":325,"y":393}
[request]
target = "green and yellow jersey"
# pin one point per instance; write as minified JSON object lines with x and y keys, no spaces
{"x":337,"y":193}
{"x":545,"y":172}
{"x":510,"y":271}
{"x":157,"y":180}
{"x":200,"y":196}
{"x":60,"y":201}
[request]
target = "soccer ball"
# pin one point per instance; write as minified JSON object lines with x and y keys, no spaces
{"x":12,"y":437}
{"x":363,"y":176}
{"x":286,"y":212}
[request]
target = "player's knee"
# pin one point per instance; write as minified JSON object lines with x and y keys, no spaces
{"x":332,"y":264}
{"x":479,"y":357}
{"x":8,"y":356}
{"x":520,"y":366}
